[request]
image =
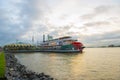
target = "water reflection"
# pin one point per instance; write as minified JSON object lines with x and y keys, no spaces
{"x":94,"y":64}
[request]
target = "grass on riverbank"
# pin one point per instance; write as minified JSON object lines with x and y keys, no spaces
{"x":2,"y":65}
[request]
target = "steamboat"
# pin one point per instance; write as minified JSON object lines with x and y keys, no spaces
{"x":65,"y":44}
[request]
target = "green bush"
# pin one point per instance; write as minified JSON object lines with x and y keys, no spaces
{"x":2,"y":65}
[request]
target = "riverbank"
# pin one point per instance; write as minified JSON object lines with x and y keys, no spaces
{"x":2,"y":65}
{"x":16,"y":71}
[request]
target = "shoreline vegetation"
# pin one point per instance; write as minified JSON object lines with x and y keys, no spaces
{"x":107,"y":46}
{"x":2,"y":65}
{"x":111,"y":46}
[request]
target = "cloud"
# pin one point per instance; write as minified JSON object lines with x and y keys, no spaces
{"x":102,"y":10}
{"x":13,"y":22}
{"x":103,"y":19}
{"x":84,"y":20}
{"x":102,"y":40}
{"x":101,"y":23}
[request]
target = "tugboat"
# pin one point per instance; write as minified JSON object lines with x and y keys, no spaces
{"x":64,"y":44}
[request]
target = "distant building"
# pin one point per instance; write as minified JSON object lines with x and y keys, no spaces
{"x":111,"y":45}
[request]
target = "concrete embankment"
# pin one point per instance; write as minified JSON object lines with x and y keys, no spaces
{"x":16,"y":71}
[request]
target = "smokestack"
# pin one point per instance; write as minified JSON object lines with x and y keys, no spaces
{"x":43,"y":38}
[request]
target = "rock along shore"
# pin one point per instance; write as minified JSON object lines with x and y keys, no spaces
{"x":16,"y":71}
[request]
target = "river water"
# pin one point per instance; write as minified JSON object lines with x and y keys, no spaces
{"x":92,"y":64}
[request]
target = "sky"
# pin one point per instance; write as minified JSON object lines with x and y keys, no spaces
{"x":92,"y":22}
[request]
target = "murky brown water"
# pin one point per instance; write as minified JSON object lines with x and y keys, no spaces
{"x":93,"y":64}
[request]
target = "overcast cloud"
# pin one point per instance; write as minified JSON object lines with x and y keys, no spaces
{"x":93,"y":22}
